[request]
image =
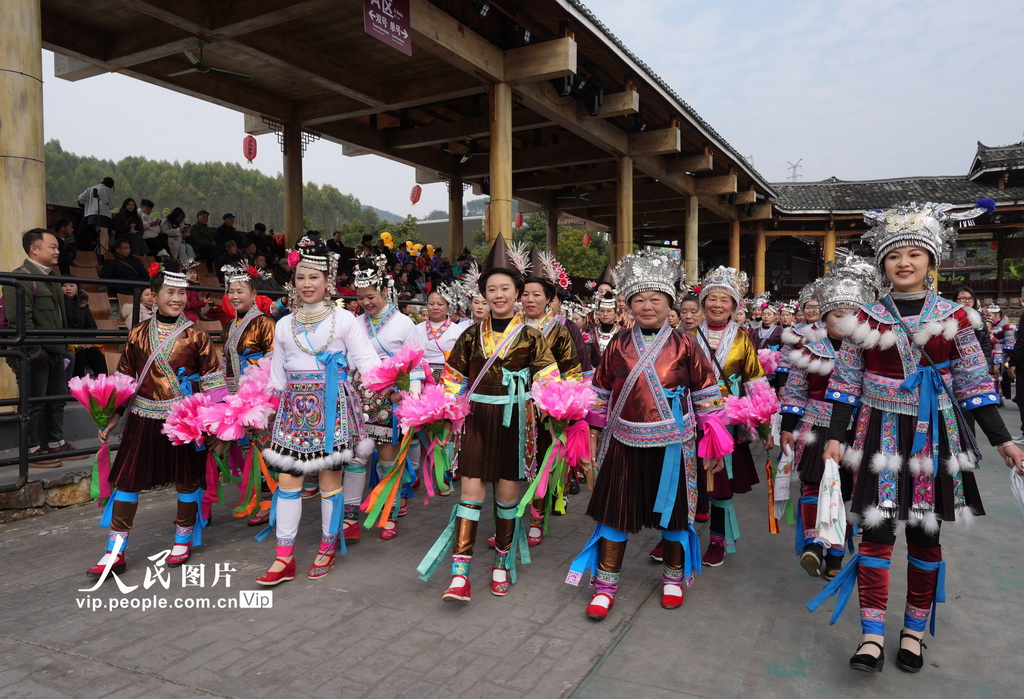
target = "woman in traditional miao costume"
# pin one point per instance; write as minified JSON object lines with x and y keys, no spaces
{"x":655,"y":390}
{"x":318,"y":427}
{"x":605,"y":329}
{"x":170,"y":358}
{"x":799,"y":333}
{"x":388,"y":330}
{"x":250,"y":338}
{"x":737,"y":368}
{"x":912,"y":362}
{"x":494,"y":363}
{"x":536,"y":299}
{"x":767,"y":334}
{"x":806,"y":413}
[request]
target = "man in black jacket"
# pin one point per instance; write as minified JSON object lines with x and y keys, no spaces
{"x":1014,"y":362}
{"x":123,"y":266}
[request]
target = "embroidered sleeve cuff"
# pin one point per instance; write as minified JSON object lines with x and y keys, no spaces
{"x":574,"y":374}
{"x":840,"y":397}
{"x":548,"y":372}
{"x":454,"y":382}
{"x":214,"y":379}
{"x":708,"y":400}
{"x":979,"y":400}
{"x":793,"y":409}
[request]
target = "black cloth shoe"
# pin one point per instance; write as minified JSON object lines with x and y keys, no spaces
{"x":810,"y":559}
{"x":833,"y":564}
{"x":868,"y":663}
{"x":907,"y":660}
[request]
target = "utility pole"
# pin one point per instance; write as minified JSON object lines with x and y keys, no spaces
{"x":793,"y":170}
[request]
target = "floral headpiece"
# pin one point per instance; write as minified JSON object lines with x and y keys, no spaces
{"x":764,"y":301}
{"x":925,"y":225}
{"x":242,"y":275}
{"x":176,"y":279}
{"x":850,"y":282}
{"x":648,"y":271}
{"x":554,"y":272}
{"x":726,"y":279}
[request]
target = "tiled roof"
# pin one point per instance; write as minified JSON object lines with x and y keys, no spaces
{"x":838,"y":196}
{"x":684,"y":107}
{"x":990,"y":158}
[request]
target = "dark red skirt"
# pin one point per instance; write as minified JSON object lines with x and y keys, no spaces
{"x":744,"y":474}
{"x":627,"y":488}
{"x":146,"y":458}
{"x":489,"y":450}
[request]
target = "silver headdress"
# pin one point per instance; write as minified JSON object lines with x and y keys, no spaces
{"x":519,"y":255}
{"x":925,"y":225}
{"x":453,"y":294}
{"x":808,"y":293}
{"x":312,"y":252}
{"x":764,"y":301}
{"x":850,"y":282}
{"x":244,"y":275}
{"x":371,"y":270}
{"x":607,"y":301}
{"x":994,"y":308}
{"x":726,"y":279}
{"x":469,"y":287}
{"x":647,"y":271}
{"x":787,"y":306}
{"x":175,"y":279}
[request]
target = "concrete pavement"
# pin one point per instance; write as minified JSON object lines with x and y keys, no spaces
{"x":372,"y":629}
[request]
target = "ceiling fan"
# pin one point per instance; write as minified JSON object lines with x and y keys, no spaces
{"x":199,"y":66}
{"x":576,"y":194}
{"x":645,"y":222}
{"x":469,"y":152}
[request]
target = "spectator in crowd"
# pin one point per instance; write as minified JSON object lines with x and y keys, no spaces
{"x":146,"y":301}
{"x":87,"y":358}
{"x":123,"y":266}
{"x":227,"y":232}
{"x":196,"y":304}
{"x":257,"y":236}
{"x":44,"y":310}
{"x":128,"y":225}
{"x":174,"y":228}
{"x":64,"y":229}
{"x":201,"y":238}
{"x":352,"y":306}
{"x":232,"y":256}
{"x":252,"y":249}
{"x":365,"y":247}
{"x":283,"y":272}
{"x":98,"y":201}
{"x":155,"y":241}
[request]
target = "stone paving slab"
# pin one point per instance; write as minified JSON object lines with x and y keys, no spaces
{"x":373,"y":629}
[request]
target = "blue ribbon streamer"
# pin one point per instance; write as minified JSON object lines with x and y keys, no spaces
{"x":248,"y":356}
{"x":119,"y":496}
{"x":940,"y":583}
{"x":283,"y":495}
{"x":588,"y":556}
{"x":668,"y":485}
{"x":842,"y":584}
{"x":197,"y":529}
{"x":929,"y":380}
{"x":336,"y":371}
{"x":185,"y":381}
{"x":800,"y":540}
{"x":337,"y":511}
{"x":692,"y":562}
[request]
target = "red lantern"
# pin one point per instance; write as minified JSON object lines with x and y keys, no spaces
{"x":249,"y":148}
{"x":586,"y":240}
{"x":416,"y":193}
{"x":519,"y":220}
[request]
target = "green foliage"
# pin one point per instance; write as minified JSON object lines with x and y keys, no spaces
{"x":216,"y":187}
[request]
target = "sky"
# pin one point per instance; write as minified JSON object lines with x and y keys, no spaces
{"x":856,"y":89}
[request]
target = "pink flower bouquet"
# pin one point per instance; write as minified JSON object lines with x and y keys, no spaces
{"x":769,"y":360}
{"x":394,"y":373}
{"x":755,"y":410}
{"x":438,"y":414}
{"x":102,"y":395}
{"x":184,"y":424}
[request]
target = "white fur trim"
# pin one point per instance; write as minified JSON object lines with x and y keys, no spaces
{"x":303,"y":466}
{"x":812,"y":335}
{"x":975,"y":318}
{"x":848,"y":323}
{"x":814,"y":367}
{"x":365,"y":448}
{"x":886,"y":462}
{"x":953,"y":465}
{"x":791,"y":337}
{"x":852,"y":459}
{"x":926,"y":332}
{"x":874,"y":517}
{"x":930,"y":522}
{"x":917,"y":465}
{"x":799,"y":358}
{"x":825,"y":367}
{"x":887,"y":340}
{"x":965,"y":517}
{"x":861,"y":332}
{"x":871,"y":339}
{"x":967,"y":461}
{"x":852,"y":517}
{"x":808,"y":437}
{"x":950,"y":328}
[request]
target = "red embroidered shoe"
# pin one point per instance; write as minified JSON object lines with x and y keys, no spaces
{"x":490,"y":541}
{"x":534,"y":539}
{"x":389,"y":532}
{"x":657,"y":553}
{"x":671,"y":596}
{"x":715,"y":555}
{"x":310,"y":491}
{"x":259,"y":519}
{"x":320,"y":571}
{"x":458,"y":590}
{"x":701,"y":517}
{"x":271,"y":578}
{"x":403,"y":507}
{"x":599,"y":605}
{"x":499,"y":588}
{"x":175,"y":561}
{"x":351,"y":530}
{"x":118,"y":567}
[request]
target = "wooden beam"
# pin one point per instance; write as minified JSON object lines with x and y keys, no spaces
{"x":614,"y":105}
{"x":499,"y":208}
{"x":437,"y":32}
{"x":71,"y":69}
{"x":322,"y":110}
{"x":734,"y":244}
{"x":479,"y":127}
{"x":713,"y":186}
{"x":828,"y":247}
{"x":541,"y":158}
{"x":658,"y":142}
{"x":641,"y":193}
{"x":570,"y":178}
{"x":747,"y":197}
{"x":790,"y":234}
{"x":690,"y":233}
{"x":696,"y":162}
{"x":542,"y":98}
{"x":544,"y":61}
{"x":761,"y":212}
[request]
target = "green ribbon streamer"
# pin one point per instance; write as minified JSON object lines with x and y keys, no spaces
{"x":438,"y":552}
{"x":515,"y":382}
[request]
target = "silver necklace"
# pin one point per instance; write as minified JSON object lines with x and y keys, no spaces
{"x":311,"y":322}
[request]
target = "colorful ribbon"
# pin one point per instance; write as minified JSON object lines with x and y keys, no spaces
{"x":929,"y":380}
{"x":842,"y":584}
{"x":515,"y":383}
{"x":283,"y":494}
{"x":246,"y":357}
{"x":335,"y":371}
{"x":443,"y":545}
{"x":185,"y":380}
{"x":804,"y":500}
{"x":668,"y":484}
{"x":940,"y":583}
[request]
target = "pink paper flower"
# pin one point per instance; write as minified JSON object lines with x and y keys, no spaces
{"x":394,"y":373}
{"x":293,"y":258}
{"x":102,"y":394}
{"x":431,"y":407}
{"x":563,"y":401}
{"x":755,"y":410}
{"x":184,"y":424}
{"x":769,"y":360}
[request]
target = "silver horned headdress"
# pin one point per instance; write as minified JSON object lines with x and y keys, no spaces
{"x":725,"y":279}
{"x":927,"y":225}
{"x":648,"y":271}
{"x":850,"y":282}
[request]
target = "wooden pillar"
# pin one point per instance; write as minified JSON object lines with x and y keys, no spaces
{"x":690,"y":241}
{"x":760,"y":253}
{"x":552,"y":231}
{"x":499,"y":219}
{"x":734,"y":244}
{"x":622,"y":243}
{"x":828,"y":247}
{"x":293,"y":228}
{"x":456,"y":224}
{"x":22,"y":168}
{"x":1000,"y":260}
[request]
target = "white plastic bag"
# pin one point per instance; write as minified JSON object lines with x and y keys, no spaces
{"x":831,"y":524}
{"x":1017,"y":488}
